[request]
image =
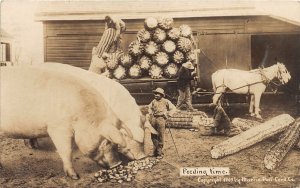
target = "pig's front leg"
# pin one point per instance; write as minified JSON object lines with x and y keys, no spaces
{"x":62,"y":139}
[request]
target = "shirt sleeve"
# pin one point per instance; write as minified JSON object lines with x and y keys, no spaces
{"x":179,"y":73}
{"x":150,"y":111}
{"x":172,"y":108}
{"x":120,"y":26}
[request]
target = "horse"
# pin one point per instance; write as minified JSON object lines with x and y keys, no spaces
{"x":253,"y":82}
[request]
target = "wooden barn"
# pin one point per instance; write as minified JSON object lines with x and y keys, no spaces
{"x":232,"y":36}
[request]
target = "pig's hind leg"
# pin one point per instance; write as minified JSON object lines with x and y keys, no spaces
{"x":62,"y":139}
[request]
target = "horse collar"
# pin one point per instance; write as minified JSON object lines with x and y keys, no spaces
{"x":264,"y":78}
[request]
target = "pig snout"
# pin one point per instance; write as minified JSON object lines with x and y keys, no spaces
{"x":141,"y":155}
{"x":134,"y":150}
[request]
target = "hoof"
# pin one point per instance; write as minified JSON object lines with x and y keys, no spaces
{"x":73,"y":177}
{"x":259,"y":117}
{"x":115,"y":165}
{"x":141,"y":155}
{"x":252,"y":114}
{"x":72,"y":174}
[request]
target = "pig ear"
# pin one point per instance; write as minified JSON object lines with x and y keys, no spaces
{"x":147,"y":124}
{"x":112,"y":134}
{"x":129,"y":133}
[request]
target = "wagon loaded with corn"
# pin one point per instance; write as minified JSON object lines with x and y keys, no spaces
{"x":153,"y":58}
{"x":158,"y":51}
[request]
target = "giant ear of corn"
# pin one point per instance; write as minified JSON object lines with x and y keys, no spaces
{"x":159,"y":36}
{"x":287,"y":141}
{"x":170,"y":71}
{"x":165,"y":23}
{"x":178,"y":57}
{"x":161,"y":58}
{"x":135,"y":48}
{"x":135,"y":71}
{"x":112,"y":60}
{"x":244,"y":124}
{"x":191,"y":56}
{"x":151,"y":23}
{"x":186,"y":31}
{"x":184,"y":44}
{"x":144,"y":36}
{"x":145,"y":63}
{"x":120,"y":72}
{"x":252,"y":136}
{"x":126,"y":60}
{"x":155,"y":72}
{"x":174,"y":33}
{"x":151,"y":48}
{"x":183,"y":120}
{"x":169,"y":46}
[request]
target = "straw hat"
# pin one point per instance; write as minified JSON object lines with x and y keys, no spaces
{"x":188,"y":65}
{"x":159,"y":91}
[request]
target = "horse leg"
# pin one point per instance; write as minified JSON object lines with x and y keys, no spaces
{"x":251,"y":106}
{"x":257,"y":102}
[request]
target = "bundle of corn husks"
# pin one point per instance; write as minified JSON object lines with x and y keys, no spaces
{"x":158,"y":51}
{"x":125,"y":173}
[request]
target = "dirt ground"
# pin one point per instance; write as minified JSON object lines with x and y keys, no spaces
{"x":24,"y":167}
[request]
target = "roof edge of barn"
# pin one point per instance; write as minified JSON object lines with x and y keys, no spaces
{"x":129,"y":10}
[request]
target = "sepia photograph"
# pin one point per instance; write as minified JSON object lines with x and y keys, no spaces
{"x":139,"y":93}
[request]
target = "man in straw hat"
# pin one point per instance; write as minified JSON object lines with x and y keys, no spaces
{"x":159,"y":110}
{"x":185,"y":75}
{"x":108,"y":43}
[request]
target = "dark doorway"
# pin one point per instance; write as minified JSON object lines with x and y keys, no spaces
{"x":266,"y":50}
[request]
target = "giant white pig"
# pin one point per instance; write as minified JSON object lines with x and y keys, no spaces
{"x":118,"y":98}
{"x":38,"y":102}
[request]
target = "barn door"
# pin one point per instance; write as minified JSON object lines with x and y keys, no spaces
{"x":219,"y":51}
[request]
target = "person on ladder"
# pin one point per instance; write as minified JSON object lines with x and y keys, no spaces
{"x":108,"y":43}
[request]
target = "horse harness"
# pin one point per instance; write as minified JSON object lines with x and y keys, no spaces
{"x":264,"y":79}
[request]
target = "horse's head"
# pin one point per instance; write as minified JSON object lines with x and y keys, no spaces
{"x":283,"y":74}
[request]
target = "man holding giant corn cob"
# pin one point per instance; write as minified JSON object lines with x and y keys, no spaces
{"x":109,"y":42}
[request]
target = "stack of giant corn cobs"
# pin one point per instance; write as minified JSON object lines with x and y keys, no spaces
{"x":186,"y":120}
{"x":158,"y":51}
{"x":126,"y":173}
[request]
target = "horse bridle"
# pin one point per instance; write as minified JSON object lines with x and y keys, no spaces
{"x":279,"y":76}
